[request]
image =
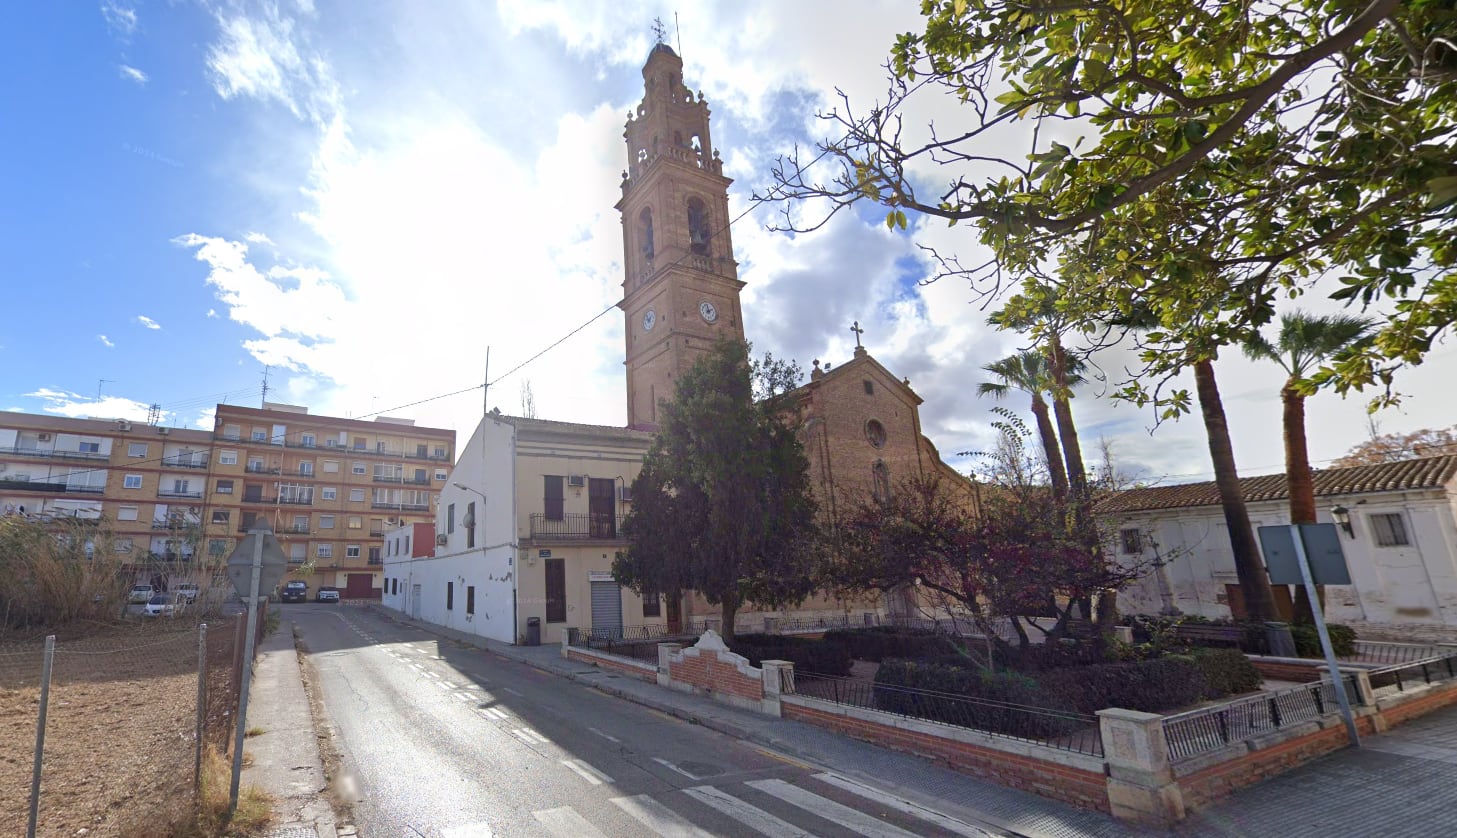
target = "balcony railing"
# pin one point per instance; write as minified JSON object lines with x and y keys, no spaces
{"x":173,"y":524}
{"x":576,"y":527}
{"x":379,"y":504}
{"x":296,"y":529}
{"x":376,"y":533}
{"x":406,"y":479}
{"x":257,"y":469}
{"x":264,"y":499}
{"x":52,"y":453}
{"x":308,"y":501}
{"x":184,"y":462}
{"x":175,"y":493}
{"x":48,"y":486}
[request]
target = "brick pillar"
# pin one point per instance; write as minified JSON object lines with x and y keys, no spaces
{"x":665,"y":651}
{"x":1141,"y":786}
{"x":778,"y":675}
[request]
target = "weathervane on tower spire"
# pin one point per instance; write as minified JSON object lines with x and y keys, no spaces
{"x":659,"y":29}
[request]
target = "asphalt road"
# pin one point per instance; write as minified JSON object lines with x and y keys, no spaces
{"x":447,"y":741}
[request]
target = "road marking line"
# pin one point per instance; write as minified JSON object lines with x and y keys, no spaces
{"x":782,"y":758}
{"x":467,"y":830}
{"x":526,"y":734}
{"x":746,"y":814}
{"x":658,"y":818}
{"x":851,"y":819}
{"x":564,"y":822}
{"x":513,"y":692}
{"x":465,"y":696}
{"x":447,"y":685}
{"x":609,"y":737}
{"x":666,"y":764}
{"x":946,"y":822}
{"x":587,"y":772}
{"x":494,"y":713}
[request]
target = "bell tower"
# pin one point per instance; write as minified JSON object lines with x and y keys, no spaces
{"x":680,"y":292}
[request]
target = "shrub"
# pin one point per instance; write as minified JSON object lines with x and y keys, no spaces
{"x":1044,"y":657}
{"x":1227,"y":671}
{"x":877,"y":643}
{"x":807,"y":655}
{"x":1307,"y":640}
{"x":1004,"y":688}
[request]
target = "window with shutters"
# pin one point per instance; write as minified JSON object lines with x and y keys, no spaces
{"x":554,"y":501}
{"x":1389,"y":530}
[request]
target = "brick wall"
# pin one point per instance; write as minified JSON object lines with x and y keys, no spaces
{"x":1286,"y":669}
{"x":718,"y":672}
{"x":636,"y":669}
{"x":1016,"y":766}
{"x":1210,"y":784}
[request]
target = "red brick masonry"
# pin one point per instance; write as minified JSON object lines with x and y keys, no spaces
{"x":641,"y":671}
{"x":721,"y":672}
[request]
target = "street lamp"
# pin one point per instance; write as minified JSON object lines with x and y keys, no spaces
{"x":1342,"y":517}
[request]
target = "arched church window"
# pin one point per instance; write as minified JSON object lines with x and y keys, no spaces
{"x":645,"y":231}
{"x":880,"y":479}
{"x":698,"y":233}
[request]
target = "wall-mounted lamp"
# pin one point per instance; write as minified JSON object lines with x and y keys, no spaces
{"x":1342,"y":517}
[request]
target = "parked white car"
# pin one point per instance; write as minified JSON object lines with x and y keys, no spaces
{"x":140,"y":594}
{"x":164,"y":605}
{"x":189,"y":590}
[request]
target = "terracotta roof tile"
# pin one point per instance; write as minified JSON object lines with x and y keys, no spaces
{"x":1425,"y":473}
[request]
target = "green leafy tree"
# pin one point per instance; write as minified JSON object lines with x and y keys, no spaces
{"x":1030,"y":373}
{"x":723,"y":505}
{"x":1195,"y":157}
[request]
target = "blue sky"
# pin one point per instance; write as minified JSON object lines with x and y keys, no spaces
{"x":366,"y":197}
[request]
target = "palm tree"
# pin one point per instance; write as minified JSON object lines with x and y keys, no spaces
{"x":1030,"y":373}
{"x":1304,"y":342}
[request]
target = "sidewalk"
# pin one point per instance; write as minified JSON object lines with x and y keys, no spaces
{"x":285,"y":756}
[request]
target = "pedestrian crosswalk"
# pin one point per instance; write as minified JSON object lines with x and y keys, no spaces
{"x":743,"y":808}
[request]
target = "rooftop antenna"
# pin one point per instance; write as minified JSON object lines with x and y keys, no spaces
{"x":679,"y":33}
{"x":264,"y":402}
{"x":486,"y":385}
{"x":101,"y":381}
{"x":154,"y":413}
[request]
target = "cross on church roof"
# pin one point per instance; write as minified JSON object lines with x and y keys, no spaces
{"x":858,"y":332}
{"x":659,"y":29}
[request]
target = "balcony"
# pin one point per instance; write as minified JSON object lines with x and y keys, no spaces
{"x":184,"y":462}
{"x":288,"y":472}
{"x":263,"y":499}
{"x":379,"y":504}
{"x":221,"y":437}
{"x":54,"y":454}
{"x":175,"y":493}
{"x":402,"y":479}
{"x":261,"y":469}
{"x":49,"y":487}
{"x":415,"y":507}
{"x":295,"y":530}
{"x":576,"y":527}
{"x":376,"y":533}
{"x":289,"y":501}
{"x":173,"y":524}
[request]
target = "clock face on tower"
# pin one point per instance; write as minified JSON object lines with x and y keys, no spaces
{"x":707,"y":311}
{"x":649,"y":320}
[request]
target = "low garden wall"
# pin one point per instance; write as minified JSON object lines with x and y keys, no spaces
{"x":627,"y":666}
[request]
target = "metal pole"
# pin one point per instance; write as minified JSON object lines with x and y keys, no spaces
{"x":40,"y":732}
{"x":1325,"y":638}
{"x":247,"y":673}
{"x":201,"y":706}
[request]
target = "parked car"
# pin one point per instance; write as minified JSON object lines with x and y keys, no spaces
{"x":140,"y":594}
{"x":295,"y":591}
{"x":327,"y":595}
{"x":164,"y":605}
{"x":189,"y":590}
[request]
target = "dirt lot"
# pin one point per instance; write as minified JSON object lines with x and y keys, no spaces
{"x":120,"y":729}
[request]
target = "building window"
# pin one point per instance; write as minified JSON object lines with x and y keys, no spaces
{"x":324,"y":551}
{"x":326,"y":522}
{"x":1389,"y":530}
{"x":90,"y":448}
{"x":449,"y":596}
{"x":136,"y":449}
{"x":869,"y":387}
{"x":351,"y":551}
{"x":470,"y":599}
{"x":360,"y":444}
{"x":356,"y":522}
{"x":307,"y":440}
{"x":329,"y":493}
{"x":121,"y":545}
{"x":126,"y":513}
{"x":225,"y":487}
{"x":131,"y":481}
{"x":556,"y":590}
{"x":306,"y":467}
{"x":221,"y":516}
{"x":440,"y":454}
{"x":260,"y":434}
{"x":470,"y":524}
{"x":217,"y":547}
{"x":331,"y":466}
{"x":232,"y":432}
{"x":553,"y":500}
{"x":1132,"y":541}
{"x":227,"y":457}
{"x":450,"y":519}
{"x":374,"y":557}
{"x":651,"y":605}
{"x":297,"y":552}
{"x":875,"y":433}
{"x":358,"y":468}
{"x":356,"y":496}
{"x":440,"y":474}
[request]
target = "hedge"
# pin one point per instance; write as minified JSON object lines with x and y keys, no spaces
{"x":1008,"y":687}
{"x":807,"y":655}
{"x":1307,"y":640}
{"x":876,"y":643}
{"x":1227,"y":671}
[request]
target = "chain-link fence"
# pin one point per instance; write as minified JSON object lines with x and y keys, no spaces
{"x":124,"y":715}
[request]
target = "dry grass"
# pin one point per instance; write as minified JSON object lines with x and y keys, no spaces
{"x":254,"y":812}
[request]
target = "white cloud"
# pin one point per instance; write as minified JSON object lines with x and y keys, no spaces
{"x":76,"y":406}
{"x":212,"y":313}
{"x":256,"y":238}
{"x":148,"y":322}
{"x":105,"y":341}
{"x":133,"y":74}
{"x":120,"y":17}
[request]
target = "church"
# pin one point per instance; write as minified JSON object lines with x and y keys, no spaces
{"x":552,"y":494}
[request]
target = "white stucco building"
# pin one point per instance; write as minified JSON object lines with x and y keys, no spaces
{"x":1399,"y":536}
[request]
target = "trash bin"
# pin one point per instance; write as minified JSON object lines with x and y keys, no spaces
{"x":533,"y":631}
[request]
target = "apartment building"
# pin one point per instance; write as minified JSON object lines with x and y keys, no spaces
{"x":329,"y":487}
{"x":147,"y":481}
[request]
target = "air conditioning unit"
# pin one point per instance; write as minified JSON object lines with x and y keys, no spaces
{"x":43,"y":437}
{"x":441,"y":540}
{"x":123,"y":425}
{"x":163,"y":430}
{"x":576,"y":481}
{"x":624,"y":494}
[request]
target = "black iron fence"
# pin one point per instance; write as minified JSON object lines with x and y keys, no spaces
{"x":1211,"y":728}
{"x":1398,"y":678}
{"x":1367,"y":651}
{"x":576,"y":526}
{"x":1065,"y":731}
{"x":637,"y":642}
